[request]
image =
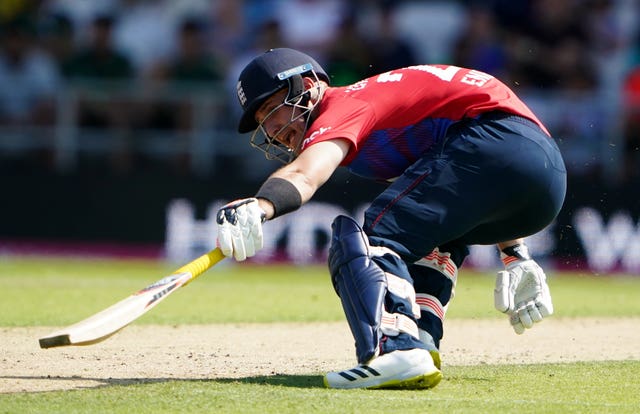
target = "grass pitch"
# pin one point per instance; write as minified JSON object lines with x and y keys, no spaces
{"x":56,"y":292}
{"x":565,"y":388}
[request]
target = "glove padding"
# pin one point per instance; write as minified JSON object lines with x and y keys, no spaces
{"x":240,"y":228}
{"x":522,"y":293}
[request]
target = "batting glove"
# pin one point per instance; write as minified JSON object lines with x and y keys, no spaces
{"x":240,"y":228}
{"x":521,"y":289}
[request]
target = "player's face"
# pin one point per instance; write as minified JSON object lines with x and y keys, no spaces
{"x":282,"y":121}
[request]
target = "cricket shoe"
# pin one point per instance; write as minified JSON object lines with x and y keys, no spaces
{"x":413,"y":369}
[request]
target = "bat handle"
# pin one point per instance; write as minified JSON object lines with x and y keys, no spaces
{"x":202,"y":263}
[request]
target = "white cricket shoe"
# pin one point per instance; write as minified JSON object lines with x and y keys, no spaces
{"x":412,"y":369}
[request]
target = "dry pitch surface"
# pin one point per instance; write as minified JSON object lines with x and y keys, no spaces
{"x":160,"y":353}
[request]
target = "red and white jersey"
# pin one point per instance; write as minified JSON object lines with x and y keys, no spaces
{"x":394,"y":118}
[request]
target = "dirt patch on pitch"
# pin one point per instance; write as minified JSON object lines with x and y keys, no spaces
{"x":141,"y":354}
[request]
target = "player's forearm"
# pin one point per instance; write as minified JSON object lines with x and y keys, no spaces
{"x":303,"y":184}
{"x":283,"y":193}
{"x":296,"y":183}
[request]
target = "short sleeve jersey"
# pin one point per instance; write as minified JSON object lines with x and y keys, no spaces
{"x":394,"y":118}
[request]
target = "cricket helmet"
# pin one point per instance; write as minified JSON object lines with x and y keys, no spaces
{"x":268,"y":73}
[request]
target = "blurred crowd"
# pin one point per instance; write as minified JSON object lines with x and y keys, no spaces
{"x":564,"y":47}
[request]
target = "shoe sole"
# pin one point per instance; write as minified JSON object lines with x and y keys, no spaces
{"x":420,"y":382}
{"x":435,"y":355}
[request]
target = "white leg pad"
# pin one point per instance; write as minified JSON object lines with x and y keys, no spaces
{"x":403,"y":289}
{"x":393,"y":324}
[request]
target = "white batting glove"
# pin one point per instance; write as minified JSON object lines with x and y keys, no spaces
{"x":521,"y":290}
{"x":240,"y":228}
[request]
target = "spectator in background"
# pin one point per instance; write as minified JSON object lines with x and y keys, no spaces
{"x":194,"y":61}
{"x":94,"y":64}
{"x":194,"y":65}
{"x":15,"y":10}
{"x":228,"y":27}
{"x":510,"y":15}
{"x":145,"y":31}
{"x":388,"y":50}
{"x":28,"y":77}
{"x":80,"y":13}
{"x":631,"y":126}
{"x":548,"y":50}
{"x":268,"y":36}
{"x":311,"y":25}
{"x":480,"y":45}
{"x":609,"y":38}
{"x":29,"y":80}
{"x":56,"y":36}
{"x":349,"y":59}
{"x":98,"y":66}
{"x":569,"y":68}
{"x":605,"y":33}
{"x":99,"y":59}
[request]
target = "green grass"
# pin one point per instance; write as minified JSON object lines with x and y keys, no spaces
{"x":48,"y":292}
{"x":574,"y":295}
{"x":610,"y":387}
{"x":53,"y":292}
{"x":58,"y":292}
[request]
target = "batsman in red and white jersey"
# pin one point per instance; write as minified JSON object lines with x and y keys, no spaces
{"x":467,"y":162}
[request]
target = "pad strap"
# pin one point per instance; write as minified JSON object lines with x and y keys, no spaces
{"x":394,"y":323}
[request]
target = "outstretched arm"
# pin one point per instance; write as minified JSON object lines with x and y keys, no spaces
{"x":308,"y":172}
{"x":240,"y":222}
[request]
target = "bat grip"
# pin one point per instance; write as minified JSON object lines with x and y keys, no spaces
{"x":202,"y":263}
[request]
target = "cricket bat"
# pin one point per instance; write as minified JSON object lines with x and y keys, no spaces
{"x":103,"y":324}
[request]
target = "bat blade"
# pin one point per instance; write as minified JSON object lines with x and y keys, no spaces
{"x":106,"y":323}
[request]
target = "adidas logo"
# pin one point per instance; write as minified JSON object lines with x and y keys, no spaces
{"x":361,"y":371}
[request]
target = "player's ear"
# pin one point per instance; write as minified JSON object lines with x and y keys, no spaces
{"x":308,"y":82}
{"x":311,"y":87}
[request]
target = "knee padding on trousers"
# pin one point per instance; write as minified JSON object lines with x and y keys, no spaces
{"x":360,"y":284}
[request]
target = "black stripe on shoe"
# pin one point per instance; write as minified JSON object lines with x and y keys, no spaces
{"x":346,"y":376}
{"x":359,"y":373}
{"x":371,"y":370}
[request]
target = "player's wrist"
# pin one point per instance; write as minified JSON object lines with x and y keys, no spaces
{"x":280,"y":195}
{"x":267,"y":207}
{"x":515,"y":253}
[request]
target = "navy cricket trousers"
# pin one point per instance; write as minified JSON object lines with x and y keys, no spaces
{"x":493,"y":178}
